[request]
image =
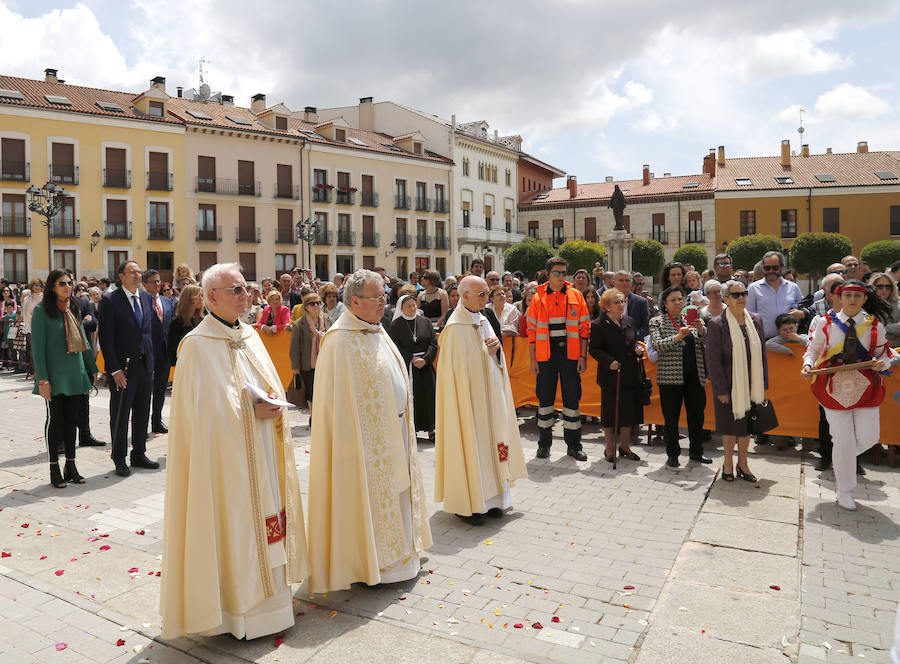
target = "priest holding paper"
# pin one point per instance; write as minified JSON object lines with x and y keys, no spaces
{"x":368,"y":520}
{"x":478,"y":451}
{"x":233,"y":540}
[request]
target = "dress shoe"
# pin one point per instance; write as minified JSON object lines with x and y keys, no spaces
{"x":578,"y":455}
{"x":728,"y":477}
{"x":859,"y":469}
{"x":159,"y":427}
{"x":542,"y":453}
{"x":472,"y":520}
{"x":90,"y":441}
{"x":672,"y":462}
{"x":495,"y":513}
{"x":823,"y":464}
{"x":628,"y":454}
{"x":123,"y":471}
{"x":144,"y":462}
{"x":745,"y":475}
{"x":701,"y":459}
{"x":845,"y":500}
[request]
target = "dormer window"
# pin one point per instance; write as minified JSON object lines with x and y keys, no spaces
{"x":417,"y":147}
{"x":340,"y":135}
{"x":157,"y":109}
{"x":281,"y":123}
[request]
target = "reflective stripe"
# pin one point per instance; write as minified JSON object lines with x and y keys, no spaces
{"x":558,"y":333}
{"x":584,"y":319}
{"x":542,"y":336}
{"x":575,"y":334}
{"x":545,"y":410}
{"x":557,"y":319}
{"x":571,"y":412}
{"x":571,"y":425}
{"x":542,"y":326}
{"x":531,"y":319}
{"x":545,"y":424}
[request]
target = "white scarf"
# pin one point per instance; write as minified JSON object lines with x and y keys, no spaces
{"x":740,"y":397}
{"x":398,"y":310}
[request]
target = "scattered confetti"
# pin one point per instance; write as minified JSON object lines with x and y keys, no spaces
{"x":61,"y":646}
{"x":139,"y":532}
{"x":313,"y":606}
{"x":279,"y":640}
{"x":332,"y":614}
{"x":703,"y":631}
{"x":59,"y":572}
{"x":120,"y":642}
{"x":5,"y":555}
{"x":518,"y":625}
{"x":628,"y":587}
{"x":555,"y":619}
{"x":488,"y":542}
{"x":826,"y":644}
{"x":537,"y":625}
{"x":401,"y":598}
{"x":24,"y":525}
{"x":133,"y":570}
{"x":105,"y":547}
{"x":775,"y":587}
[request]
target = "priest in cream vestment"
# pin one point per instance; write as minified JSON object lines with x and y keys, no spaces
{"x":233,"y":537}
{"x":367,"y":514}
{"x":478,"y":451}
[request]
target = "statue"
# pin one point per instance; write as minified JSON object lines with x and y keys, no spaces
{"x":617,"y":203}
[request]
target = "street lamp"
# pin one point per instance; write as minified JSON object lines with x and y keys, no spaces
{"x":47,"y":202}
{"x":308,"y":231}
{"x":95,"y":240}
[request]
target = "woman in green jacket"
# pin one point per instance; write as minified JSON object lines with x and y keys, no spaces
{"x":64,"y":370}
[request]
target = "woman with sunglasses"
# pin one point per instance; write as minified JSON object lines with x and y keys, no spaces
{"x":886,"y":289}
{"x":306,"y":334}
{"x":739,"y":373}
{"x":188,"y":314}
{"x":64,"y":371}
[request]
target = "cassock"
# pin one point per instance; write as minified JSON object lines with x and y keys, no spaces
{"x":478,"y":451}
{"x":368,"y":520}
{"x":416,"y":338}
{"x":233,"y":540}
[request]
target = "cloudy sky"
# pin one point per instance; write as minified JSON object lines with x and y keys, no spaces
{"x":595,"y":88}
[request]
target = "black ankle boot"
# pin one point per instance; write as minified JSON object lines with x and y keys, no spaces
{"x":72,"y":472}
{"x":56,"y":479}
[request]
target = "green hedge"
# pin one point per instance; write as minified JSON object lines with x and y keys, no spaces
{"x":881,"y":254}
{"x":582,"y":254}
{"x":529,"y":256}
{"x":693,"y":254}
{"x":748,"y":250}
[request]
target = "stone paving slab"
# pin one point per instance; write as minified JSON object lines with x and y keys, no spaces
{"x":736,"y":569}
{"x":746,"y":533}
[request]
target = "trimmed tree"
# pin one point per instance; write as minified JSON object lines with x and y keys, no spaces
{"x":648,"y":257}
{"x":529,"y":256}
{"x":582,"y":254}
{"x":881,"y":254}
{"x":748,"y":250}
{"x":812,"y":253}
{"x":693,"y":254}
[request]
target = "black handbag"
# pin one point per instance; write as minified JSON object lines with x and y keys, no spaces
{"x":646,"y":385}
{"x":762,"y":417}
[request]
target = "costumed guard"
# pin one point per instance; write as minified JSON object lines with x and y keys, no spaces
{"x":233,"y":538}
{"x":850,"y":397}
{"x":478,"y":452}
{"x":368,"y":520}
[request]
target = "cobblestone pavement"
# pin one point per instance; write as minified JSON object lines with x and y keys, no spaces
{"x":639,"y":564}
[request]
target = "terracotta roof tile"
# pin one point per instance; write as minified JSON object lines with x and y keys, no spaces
{"x":634,"y":189}
{"x":849,"y":169}
{"x":84,"y":100}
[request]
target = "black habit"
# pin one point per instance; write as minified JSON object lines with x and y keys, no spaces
{"x":423,"y":380}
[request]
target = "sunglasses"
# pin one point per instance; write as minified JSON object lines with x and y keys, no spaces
{"x":559,"y":273}
{"x":723,"y":264}
{"x":884,"y":287}
{"x":638,"y":283}
{"x":771,"y":268}
{"x":317,"y":303}
{"x":63,"y":283}
{"x":237,"y":290}
{"x":743,"y":293}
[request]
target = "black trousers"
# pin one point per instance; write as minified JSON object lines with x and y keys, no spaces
{"x":160,"y":382}
{"x":63,"y":412}
{"x":84,"y":420}
{"x":693,"y":395}
{"x":561,"y":369}
{"x":825,"y":443}
{"x":134,"y":401}
{"x":308,"y":378}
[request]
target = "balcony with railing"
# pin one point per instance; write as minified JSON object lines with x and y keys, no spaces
{"x":285,"y":236}
{"x":423,"y":242}
{"x":346,"y":238}
{"x":401,"y":202}
{"x":441,"y":206}
{"x":120,"y":178}
{"x":695,"y":236}
{"x":227,"y":187}
{"x":321,"y":194}
{"x":206,"y":234}
{"x":117,"y":230}
{"x":15,"y":226}
{"x":423,"y":204}
{"x":15,"y":171}
{"x":253,"y":234}
{"x":323,"y":238}
{"x":160,"y":231}
{"x":442,"y":242}
{"x":402,"y":240}
{"x":345,"y":197}
{"x":160,"y":181}
{"x":287,"y":191}
{"x":660,"y":235}
{"x":369,"y":199}
{"x":14,"y":276}
{"x":65,"y":228}
{"x":370,"y":240}
{"x":63,"y":173}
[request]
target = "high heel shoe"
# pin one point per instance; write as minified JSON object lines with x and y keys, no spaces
{"x":746,"y":476}
{"x":56,"y":479}
{"x":610,"y":457}
{"x":728,"y":477}
{"x":71,"y":472}
{"x":628,"y":454}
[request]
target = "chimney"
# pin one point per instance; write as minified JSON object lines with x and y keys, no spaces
{"x":227,"y":100}
{"x":572,"y":184}
{"x":786,"y":153}
{"x":158,"y":82}
{"x":496,"y":136}
{"x":667,"y":175}
{"x":862,"y":146}
{"x":705,"y":168}
{"x":804,"y":150}
{"x":366,"y":114}
{"x":310,"y":114}
{"x":646,"y":174}
{"x":257,"y":103}
{"x":179,"y":91}
{"x":609,"y":178}
{"x":827,"y":150}
{"x":721,"y":159}
{"x":50,"y":76}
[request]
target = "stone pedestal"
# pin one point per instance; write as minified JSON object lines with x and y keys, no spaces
{"x":618,"y":247}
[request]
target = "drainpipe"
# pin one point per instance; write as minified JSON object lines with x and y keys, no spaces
{"x":302,"y":201}
{"x":679,"y":222}
{"x":574,"y":229}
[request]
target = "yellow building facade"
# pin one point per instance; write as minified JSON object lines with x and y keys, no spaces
{"x":119,"y":156}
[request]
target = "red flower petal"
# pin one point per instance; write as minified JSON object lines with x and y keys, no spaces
{"x":628,"y":587}
{"x":537,"y":625}
{"x":158,"y":574}
{"x":106,"y":535}
{"x":313,"y":606}
{"x":43,"y":557}
{"x":120,"y":642}
{"x":139,"y":532}
{"x":24,"y":525}
{"x":133,"y":570}
{"x":518,"y":625}
{"x":5,"y":555}
{"x":61,"y":646}
{"x":105,"y":547}
{"x":555,"y":619}
{"x":279,"y":640}
{"x":775,"y":587}
{"x":401,"y":598}
{"x":59,"y":572}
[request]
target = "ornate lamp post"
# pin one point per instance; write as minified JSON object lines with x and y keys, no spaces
{"x":308,"y":231}
{"x":47,"y":202}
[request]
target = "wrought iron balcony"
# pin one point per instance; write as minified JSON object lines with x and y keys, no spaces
{"x":345,"y":197}
{"x":423,"y":204}
{"x":248,"y":234}
{"x":117,"y":230}
{"x":441,"y":206}
{"x":16,"y":171}
{"x":63,"y":173}
{"x":213,"y":234}
{"x":160,"y":181}
{"x":15,"y":226}
{"x":423,"y":242}
{"x":227,"y":187}
{"x":346,"y":238}
{"x":287,"y":191}
{"x":694,"y":237}
{"x":402,"y":240}
{"x":160,"y":231}
{"x":119,"y":178}
{"x":401,"y":202}
{"x":323,"y":238}
{"x":442,"y":242}
{"x":370,"y":240}
{"x":321,"y":195}
{"x":368,"y":199}
{"x":660,"y":236}
{"x":66,"y":228}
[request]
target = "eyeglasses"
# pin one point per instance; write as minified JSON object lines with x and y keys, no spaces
{"x":771,"y":268}
{"x":559,"y":273}
{"x":618,"y":301}
{"x":723,"y":264}
{"x":844,"y":271}
{"x":884,"y":287}
{"x":64,"y":283}
{"x":638,"y":283}
{"x":236,"y":290}
{"x":317,"y":303}
{"x":742,"y":293}
{"x":483,"y":293}
{"x":381,"y":299}
{"x":851,"y":264}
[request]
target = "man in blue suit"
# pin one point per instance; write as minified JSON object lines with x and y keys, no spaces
{"x":163,"y":311}
{"x":127,"y":344}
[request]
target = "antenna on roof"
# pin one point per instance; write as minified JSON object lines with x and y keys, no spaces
{"x":203,"y":63}
{"x":800,"y":129}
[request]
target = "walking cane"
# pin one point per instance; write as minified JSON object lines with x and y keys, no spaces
{"x":119,"y":407}
{"x":616,"y":419}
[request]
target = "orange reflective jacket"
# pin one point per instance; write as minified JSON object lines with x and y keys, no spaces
{"x":548,"y":308}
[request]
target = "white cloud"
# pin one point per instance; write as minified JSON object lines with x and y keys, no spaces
{"x":638,"y":94}
{"x":851,"y":102}
{"x":654,"y":122}
{"x":789,"y":53}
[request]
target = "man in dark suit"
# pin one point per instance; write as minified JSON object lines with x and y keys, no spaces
{"x":163,"y":310}
{"x":637,"y":308}
{"x":127,"y":345}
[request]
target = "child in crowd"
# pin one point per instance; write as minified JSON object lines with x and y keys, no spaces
{"x":787,"y":334}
